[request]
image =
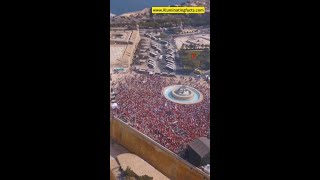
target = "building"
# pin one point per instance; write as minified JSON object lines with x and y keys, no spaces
{"x":198,"y":152}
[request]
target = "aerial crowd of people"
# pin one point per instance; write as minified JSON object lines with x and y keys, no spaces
{"x":142,"y":104}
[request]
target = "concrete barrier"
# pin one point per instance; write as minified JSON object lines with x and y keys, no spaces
{"x":167,"y":162}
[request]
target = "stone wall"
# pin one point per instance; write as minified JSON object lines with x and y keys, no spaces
{"x":156,"y":155}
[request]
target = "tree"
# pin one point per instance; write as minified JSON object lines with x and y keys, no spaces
{"x":192,"y":46}
{"x":129,"y":173}
{"x":145,"y":177}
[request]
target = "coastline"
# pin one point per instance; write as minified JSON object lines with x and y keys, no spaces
{"x":133,"y":13}
{"x":136,"y":13}
{"x":123,"y":7}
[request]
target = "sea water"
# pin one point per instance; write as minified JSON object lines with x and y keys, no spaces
{"x":124,"y":6}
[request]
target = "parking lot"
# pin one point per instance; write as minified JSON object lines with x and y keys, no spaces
{"x":157,"y":55}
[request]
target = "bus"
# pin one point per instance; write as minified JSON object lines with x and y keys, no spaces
{"x":170,"y":68}
{"x":153,"y":54}
{"x":170,"y":62}
{"x":151,"y":61}
{"x":150,"y":65}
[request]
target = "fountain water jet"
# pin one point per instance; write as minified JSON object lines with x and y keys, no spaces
{"x":182,"y":94}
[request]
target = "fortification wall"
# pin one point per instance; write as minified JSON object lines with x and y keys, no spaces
{"x":159,"y":157}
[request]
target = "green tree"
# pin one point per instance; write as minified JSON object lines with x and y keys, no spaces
{"x":129,"y":173}
{"x":145,"y":177}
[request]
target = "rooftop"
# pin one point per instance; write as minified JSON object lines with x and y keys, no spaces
{"x":201,"y":146}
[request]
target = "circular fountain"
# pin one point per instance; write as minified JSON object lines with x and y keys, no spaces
{"x":182,"y":94}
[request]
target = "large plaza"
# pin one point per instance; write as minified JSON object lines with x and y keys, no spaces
{"x":122,"y":47}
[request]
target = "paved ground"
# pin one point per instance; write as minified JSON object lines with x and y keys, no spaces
{"x":160,"y":64}
{"x":203,"y":39}
{"x":140,"y":166}
{"x":116,"y":149}
{"x":116,"y":54}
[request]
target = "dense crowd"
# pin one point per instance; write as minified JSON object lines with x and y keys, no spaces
{"x":142,"y":105}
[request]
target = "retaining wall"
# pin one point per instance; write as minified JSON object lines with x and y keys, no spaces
{"x":168,"y":163}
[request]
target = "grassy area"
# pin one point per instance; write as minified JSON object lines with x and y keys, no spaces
{"x":192,"y":60}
